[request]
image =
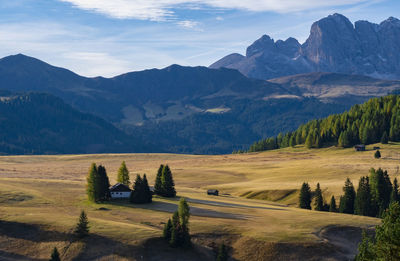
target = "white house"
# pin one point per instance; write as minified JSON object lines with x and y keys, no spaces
{"x":119,"y":191}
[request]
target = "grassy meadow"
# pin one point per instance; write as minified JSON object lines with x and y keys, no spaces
{"x":41,"y":197}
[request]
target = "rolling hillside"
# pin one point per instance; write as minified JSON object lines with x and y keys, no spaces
{"x":41,"y":196}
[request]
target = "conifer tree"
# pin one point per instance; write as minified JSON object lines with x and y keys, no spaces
{"x":82,"y":227}
{"x":363,"y":202}
{"x":180,"y":236}
{"x":365,"y":249}
{"x":92,"y":187}
{"x":394,"y":197}
{"x":167,"y":230}
{"x":332,"y":205}
{"x":158,"y":187}
{"x":168,"y":182}
{"x":387,"y":246}
{"x":55,"y":256}
{"x":141,"y":191}
{"x":305,"y":196}
{"x":104,"y":184}
{"x":385,"y":138}
{"x":222,"y":253}
{"x":319,"y":201}
{"x":347,"y":200}
{"x":377,"y":154}
{"x":381,"y":190}
{"x":123,"y":174}
{"x":309,"y":141}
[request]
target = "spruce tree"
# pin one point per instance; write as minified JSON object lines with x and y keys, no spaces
{"x":319,"y":201}
{"x":167,"y":230}
{"x":385,"y":138}
{"x":332,"y":205}
{"x":179,"y":236}
{"x":168,"y":182}
{"x":141,"y":192}
{"x":365,"y":249}
{"x":55,"y":256}
{"x":381,"y":189}
{"x":158,"y":187}
{"x":222,"y":253}
{"x":309,"y":141}
{"x":363,"y":202}
{"x":377,"y":154}
{"x":387,"y":246}
{"x":347,"y":200}
{"x":93,"y":185}
{"x":123,"y":174}
{"x":305,"y":196}
{"x":82,"y":227}
{"x":394,"y":197}
{"x":104,"y":184}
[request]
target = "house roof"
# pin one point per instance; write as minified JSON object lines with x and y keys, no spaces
{"x":120,"y":188}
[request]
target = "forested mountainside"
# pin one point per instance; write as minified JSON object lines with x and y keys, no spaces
{"x":36,"y":123}
{"x":195,"y":109}
{"x":377,"y":120}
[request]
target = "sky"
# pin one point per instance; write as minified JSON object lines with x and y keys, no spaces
{"x":111,"y":37}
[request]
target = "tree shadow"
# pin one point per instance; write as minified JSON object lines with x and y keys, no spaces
{"x":171,"y":208}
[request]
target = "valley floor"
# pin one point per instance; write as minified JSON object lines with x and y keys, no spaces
{"x":256,"y":214}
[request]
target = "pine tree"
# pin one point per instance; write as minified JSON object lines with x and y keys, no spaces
{"x":141,"y":192}
{"x":381,"y":190}
{"x":55,"y":256}
{"x":347,"y":200}
{"x":319,"y":201}
{"x":394,"y":197}
{"x":167,"y":230}
{"x":92,"y":187}
{"x":363,"y":202}
{"x":309,"y":141}
{"x":305,"y":196}
{"x":180,"y":236}
{"x":385,"y":138}
{"x":104,"y":184}
{"x":332,"y":205}
{"x":123,"y":174}
{"x":82,"y":227}
{"x":377,"y":154}
{"x":222,"y":253}
{"x":387,"y":246}
{"x":168,"y":182}
{"x":365,"y":249}
{"x":158,"y":187}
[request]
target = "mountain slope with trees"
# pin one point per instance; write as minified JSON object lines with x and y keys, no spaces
{"x":374,"y":121}
{"x":36,"y":123}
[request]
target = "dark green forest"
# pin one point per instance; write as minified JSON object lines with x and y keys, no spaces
{"x":377,"y":120}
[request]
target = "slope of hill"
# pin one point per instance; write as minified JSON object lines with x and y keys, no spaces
{"x":195,"y":109}
{"x":376,"y":120}
{"x":334,"y":45}
{"x":37,"y":123}
{"x":41,"y":198}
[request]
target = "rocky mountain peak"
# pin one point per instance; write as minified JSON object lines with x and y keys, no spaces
{"x":334,"y":45}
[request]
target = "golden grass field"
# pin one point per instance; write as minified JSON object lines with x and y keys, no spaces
{"x":256,"y":215}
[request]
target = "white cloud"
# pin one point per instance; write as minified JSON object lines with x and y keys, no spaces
{"x":158,"y":10}
{"x":188,"y":24}
{"x":219,"y":18}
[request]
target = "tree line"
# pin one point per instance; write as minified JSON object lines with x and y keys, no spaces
{"x":98,"y":184}
{"x":377,"y":120}
{"x":373,"y":196}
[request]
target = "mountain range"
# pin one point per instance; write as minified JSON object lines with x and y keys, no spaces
{"x":188,"y":109}
{"x":334,"y":45}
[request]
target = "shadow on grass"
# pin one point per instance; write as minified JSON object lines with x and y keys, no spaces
{"x":172,"y":207}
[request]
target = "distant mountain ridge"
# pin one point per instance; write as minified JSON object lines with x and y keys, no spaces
{"x":193,"y":109}
{"x":334,"y":45}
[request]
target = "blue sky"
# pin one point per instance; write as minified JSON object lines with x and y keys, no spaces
{"x":110,"y":37}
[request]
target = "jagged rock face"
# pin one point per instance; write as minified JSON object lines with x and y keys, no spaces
{"x":334,"y":45}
